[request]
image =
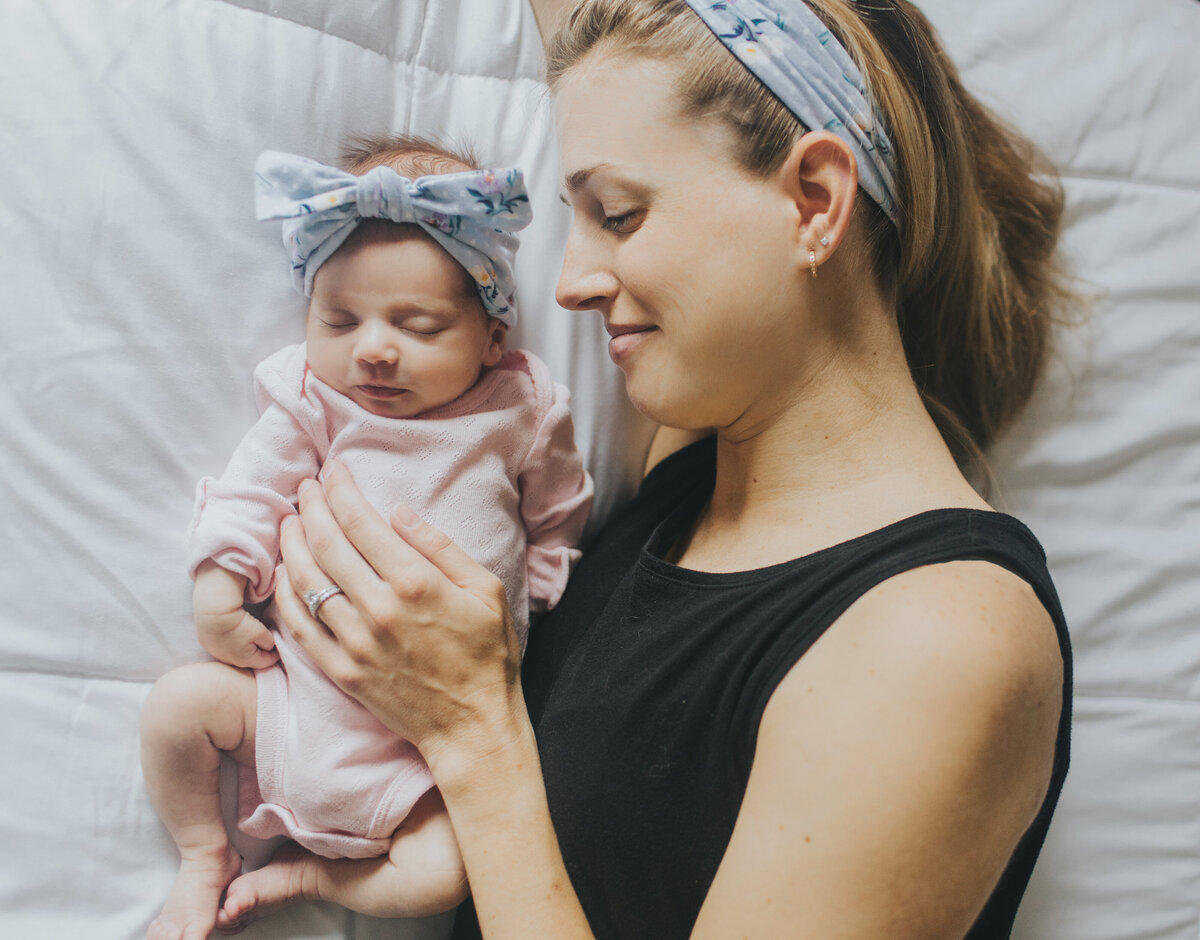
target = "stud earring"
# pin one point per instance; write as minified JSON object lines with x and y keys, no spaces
{"x":812,"y":261}
{"x":824,"y":241}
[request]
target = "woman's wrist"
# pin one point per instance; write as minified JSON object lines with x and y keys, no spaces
{"x":499,"y":744}
{"x":491,"y":782}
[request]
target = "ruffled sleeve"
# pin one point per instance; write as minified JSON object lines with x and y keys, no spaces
{"x":556,"y":494}
{"x":237,"y":517}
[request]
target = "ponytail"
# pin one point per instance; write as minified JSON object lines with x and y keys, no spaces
{"x":973,"y":263}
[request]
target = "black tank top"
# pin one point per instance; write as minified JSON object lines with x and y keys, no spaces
{"x":647,"y":683}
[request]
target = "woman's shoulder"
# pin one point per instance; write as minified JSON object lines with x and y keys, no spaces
{"x":976,"y":611}
{"x":969,"y":620}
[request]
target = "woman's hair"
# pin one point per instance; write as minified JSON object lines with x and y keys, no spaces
{"x":971,"y":260}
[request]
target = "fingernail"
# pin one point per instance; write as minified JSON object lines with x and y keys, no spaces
{"x":404,"y":516}
{"x":305,"y":485}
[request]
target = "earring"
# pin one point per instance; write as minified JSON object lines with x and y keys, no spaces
{"x":812,"y":261}
{"x":824,"y":241}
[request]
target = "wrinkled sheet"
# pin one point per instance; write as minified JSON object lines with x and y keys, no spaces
{"x":138,"y":291}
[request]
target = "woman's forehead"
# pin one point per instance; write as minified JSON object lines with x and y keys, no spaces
{"x":620,"y":114}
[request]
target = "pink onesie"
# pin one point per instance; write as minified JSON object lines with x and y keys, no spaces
{"x":496,"y":470}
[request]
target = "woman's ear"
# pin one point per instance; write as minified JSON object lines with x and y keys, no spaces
{"x":820,"y":175}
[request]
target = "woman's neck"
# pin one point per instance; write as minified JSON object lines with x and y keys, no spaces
{"x":849,"y":450}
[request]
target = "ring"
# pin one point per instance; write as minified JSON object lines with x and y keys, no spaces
{"x":314,"y":599}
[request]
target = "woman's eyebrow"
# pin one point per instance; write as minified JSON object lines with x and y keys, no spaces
{"x":577,"y":180}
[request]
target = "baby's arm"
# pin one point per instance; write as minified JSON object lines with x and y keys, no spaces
{"x":226,"y":629}
{"x":556,"y":496}
{"x":233,"y":542}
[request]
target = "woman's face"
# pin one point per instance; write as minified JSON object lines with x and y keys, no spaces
{"x":690,"y":259}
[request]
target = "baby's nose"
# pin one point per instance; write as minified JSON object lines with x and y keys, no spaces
{"x":377,"y":344}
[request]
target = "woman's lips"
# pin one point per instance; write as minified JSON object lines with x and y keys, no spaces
{"x":625,"y":340}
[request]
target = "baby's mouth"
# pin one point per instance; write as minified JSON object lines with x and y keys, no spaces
{"x":381,"y":392}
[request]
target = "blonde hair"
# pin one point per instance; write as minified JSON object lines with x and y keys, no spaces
{"x":971,"y":259}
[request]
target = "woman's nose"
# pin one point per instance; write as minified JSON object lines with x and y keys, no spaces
{"x":587,"y":281}
{"x":376,"y":344}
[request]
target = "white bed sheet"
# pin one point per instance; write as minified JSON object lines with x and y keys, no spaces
{"x":137,"y":293}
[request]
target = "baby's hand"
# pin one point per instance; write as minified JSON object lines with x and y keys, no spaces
{"x":225,"y":629}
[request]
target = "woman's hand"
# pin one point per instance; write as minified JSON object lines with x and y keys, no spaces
{"x":422,"y":635}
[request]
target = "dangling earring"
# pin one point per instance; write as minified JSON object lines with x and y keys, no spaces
{"x":812,"y":254}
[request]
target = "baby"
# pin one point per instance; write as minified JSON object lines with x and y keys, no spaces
{"x":403,"y":378}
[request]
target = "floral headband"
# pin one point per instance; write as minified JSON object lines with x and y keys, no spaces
{"x":472,"y":215}
{"x":787,"y":48}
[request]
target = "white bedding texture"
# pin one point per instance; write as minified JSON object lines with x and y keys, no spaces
{"x":137,"y":292}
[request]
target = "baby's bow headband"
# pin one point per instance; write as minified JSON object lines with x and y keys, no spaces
{"x":472,"y":215}
{"x":787,"y":48}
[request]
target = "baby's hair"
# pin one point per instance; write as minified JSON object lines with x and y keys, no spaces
{"x":407,"y":154}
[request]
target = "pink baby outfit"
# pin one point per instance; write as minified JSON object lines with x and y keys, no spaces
{"x":496,"y":470}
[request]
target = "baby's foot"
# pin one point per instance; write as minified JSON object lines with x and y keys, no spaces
{"x":289,"y":877}
{"x":191,"y":909}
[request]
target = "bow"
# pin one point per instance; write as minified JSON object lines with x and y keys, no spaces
{"x":472,"y":215}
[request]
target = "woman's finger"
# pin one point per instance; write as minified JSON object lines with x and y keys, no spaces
{"x":304,"y":572}
{"x":344,"y":531}
{"x":317,"y":637}
{"x":440,"y":550}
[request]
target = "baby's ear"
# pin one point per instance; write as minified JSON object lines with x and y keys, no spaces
{"x":497,"y":334}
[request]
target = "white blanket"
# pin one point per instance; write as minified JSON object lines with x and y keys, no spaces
{"x":138,"y":291}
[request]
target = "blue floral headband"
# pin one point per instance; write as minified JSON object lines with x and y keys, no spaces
{"x":787,"y":48}
{"x":472,"y":215}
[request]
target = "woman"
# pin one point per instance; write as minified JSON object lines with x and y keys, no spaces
{"x":808,"y":683}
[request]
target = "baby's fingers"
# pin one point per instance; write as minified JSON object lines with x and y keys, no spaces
{"x":255,"y":657}
{"x":253,"y":643}
{"x":250,"y":644}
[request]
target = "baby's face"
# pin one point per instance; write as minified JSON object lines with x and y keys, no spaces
{"x":398,"y":327}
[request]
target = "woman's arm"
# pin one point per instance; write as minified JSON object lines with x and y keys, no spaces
{"x":424,"y":639}
{"x":897,"y":765}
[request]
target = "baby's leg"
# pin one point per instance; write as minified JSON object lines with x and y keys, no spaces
{"x":422,"y":874}
{"x":191,"y":716}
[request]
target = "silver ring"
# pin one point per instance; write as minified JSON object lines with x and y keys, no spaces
{"x":314,"y":599}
